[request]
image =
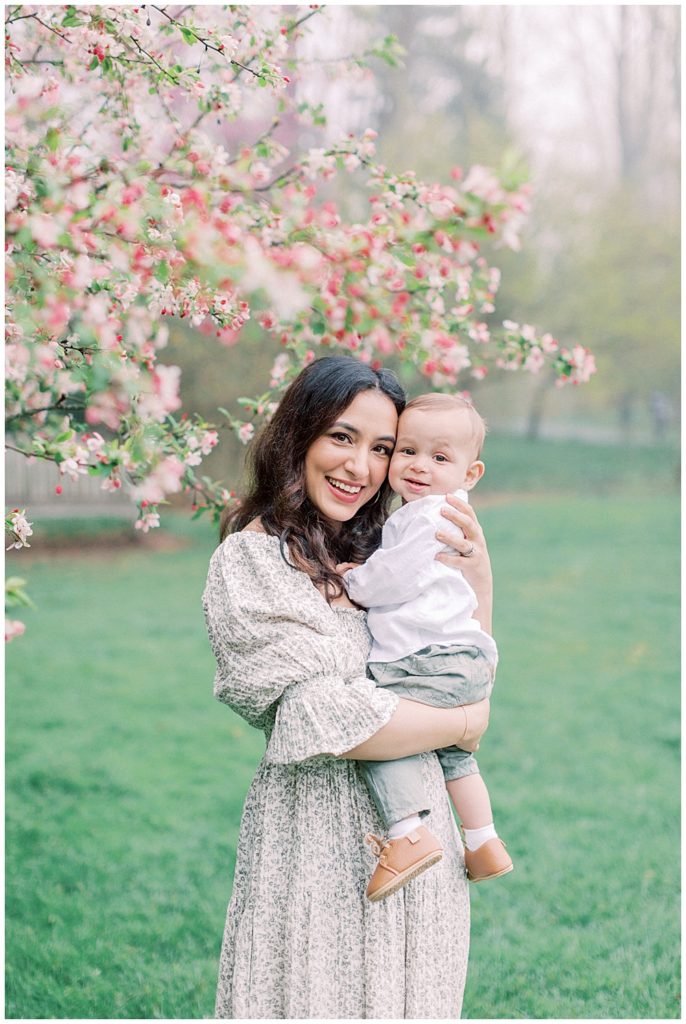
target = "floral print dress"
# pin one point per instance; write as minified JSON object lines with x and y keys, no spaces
{"x":301,"y":940}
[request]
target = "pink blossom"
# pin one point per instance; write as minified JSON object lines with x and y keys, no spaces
{"x":13,"y":629}
{"x":106,"y":407}
{"x":246,"y":432}
{"x":132,"y":193}
{"x":279,"y":369}
{"x":209,"y":441}
{"x":482,"y":182}
{"x":164,"y":479}
{"x":112,"y":482}
{"x":583,"y":365}
{"x":381,"y":340}
{"x":534,"y":360}
{"x":149,"y":521}
{"x":19,"y":528}
{"x":45,"y":229}
{"x":268,"y":320}
{"x":479,"y":333}
{"x":74,"y":465}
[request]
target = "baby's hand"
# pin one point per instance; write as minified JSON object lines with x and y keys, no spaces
{"x":344,"y":566}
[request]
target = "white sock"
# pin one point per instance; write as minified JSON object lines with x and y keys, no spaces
{"x":476,"y":837}
{"x":405,"y":825}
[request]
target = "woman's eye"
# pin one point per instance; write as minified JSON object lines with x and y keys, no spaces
{"x":340,"y":437}
{"x":381,"y":449}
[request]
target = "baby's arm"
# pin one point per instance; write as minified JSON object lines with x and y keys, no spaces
{"x":345,"y":566}
{"x":397,"y":574}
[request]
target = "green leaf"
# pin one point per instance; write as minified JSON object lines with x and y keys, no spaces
{"x":71,"y":19}
{"x":107,"y":64}
{"x":93,"y":64}
{"x":188,"y":36}
{"x":162,"y":271}
{"x":52,"y":139}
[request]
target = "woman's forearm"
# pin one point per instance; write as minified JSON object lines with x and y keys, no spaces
{"x":415,"y":728}
{"x":484,"y":610}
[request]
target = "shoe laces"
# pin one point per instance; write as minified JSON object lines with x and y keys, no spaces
{"x":377,"y":843}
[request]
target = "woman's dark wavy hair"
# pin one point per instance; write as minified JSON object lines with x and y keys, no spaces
{"x":276,"y":472}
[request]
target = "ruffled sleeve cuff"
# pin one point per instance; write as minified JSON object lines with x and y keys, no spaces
{"x":326,"y":716}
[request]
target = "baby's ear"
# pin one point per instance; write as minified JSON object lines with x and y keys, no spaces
{"x":474,"y":474}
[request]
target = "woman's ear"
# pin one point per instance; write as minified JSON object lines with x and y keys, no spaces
{"x":474,"y":474}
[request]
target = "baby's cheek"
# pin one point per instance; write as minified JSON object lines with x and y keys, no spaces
{"x":394,"y":473}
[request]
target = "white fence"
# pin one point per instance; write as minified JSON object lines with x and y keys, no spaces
{"x":32,"y":486}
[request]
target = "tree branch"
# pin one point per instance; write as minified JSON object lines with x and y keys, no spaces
{"x":205,"y":43}
{"x":47,"y":408}
{"x":150,"y":57}
{"x":49,"y":27}
{"x":29,"y":455}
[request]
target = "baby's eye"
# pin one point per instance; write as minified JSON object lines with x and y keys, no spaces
{"x":440,"y":458}
{"x":407,"y":451}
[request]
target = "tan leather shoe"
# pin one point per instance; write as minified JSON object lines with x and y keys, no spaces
{"x":490,"y":861}
{"x":400,"y":860}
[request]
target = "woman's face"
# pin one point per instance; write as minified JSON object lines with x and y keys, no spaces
{"x":346,"y":466}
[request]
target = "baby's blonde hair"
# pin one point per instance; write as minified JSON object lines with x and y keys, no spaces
{"x":439,"y":400}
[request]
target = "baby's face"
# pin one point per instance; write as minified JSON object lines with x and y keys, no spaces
{"x":434,"y":454}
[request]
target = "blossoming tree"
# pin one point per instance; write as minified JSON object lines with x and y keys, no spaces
{"x":153,"y":172}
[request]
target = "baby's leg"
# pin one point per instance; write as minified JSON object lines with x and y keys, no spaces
{"x":397,"y":789}
{"x":471,"y":800}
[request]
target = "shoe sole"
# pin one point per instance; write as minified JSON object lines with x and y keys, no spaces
{"x":486,"y":878}
{"x":407,"y":876}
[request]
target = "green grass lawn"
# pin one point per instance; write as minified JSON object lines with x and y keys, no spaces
{"x":125,"y":779}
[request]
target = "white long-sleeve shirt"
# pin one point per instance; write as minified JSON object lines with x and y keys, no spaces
{"x":414,"y":600}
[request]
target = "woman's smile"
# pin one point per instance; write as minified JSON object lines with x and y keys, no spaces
{"x":343,"y":490}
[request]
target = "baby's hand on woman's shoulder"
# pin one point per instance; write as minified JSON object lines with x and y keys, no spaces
{"x":344,"y":566}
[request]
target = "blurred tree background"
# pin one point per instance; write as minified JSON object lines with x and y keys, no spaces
{"x":582,"y":100}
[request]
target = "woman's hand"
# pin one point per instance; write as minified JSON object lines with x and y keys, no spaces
{"x":476,"y":723}
{"x":471,"y":554}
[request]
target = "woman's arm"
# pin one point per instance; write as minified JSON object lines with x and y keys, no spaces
{"x":415,"y":728}
{"x":471,"y":555}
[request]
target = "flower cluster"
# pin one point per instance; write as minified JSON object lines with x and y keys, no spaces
{"x":149,"y":177}
{"x":18,"y":527}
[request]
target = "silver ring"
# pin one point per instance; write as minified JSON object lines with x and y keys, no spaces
{"x":468,"y":554}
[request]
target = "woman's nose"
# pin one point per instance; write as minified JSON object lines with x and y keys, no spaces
{"x":357,"y":463}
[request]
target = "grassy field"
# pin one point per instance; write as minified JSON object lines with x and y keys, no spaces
{"x":125,"y":779}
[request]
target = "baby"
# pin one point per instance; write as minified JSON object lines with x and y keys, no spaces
{"x":427,"y":645}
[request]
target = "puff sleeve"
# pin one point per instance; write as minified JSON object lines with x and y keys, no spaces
{"x":280,"y":665}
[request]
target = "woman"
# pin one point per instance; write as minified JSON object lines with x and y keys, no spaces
{"x":301,"y":940}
